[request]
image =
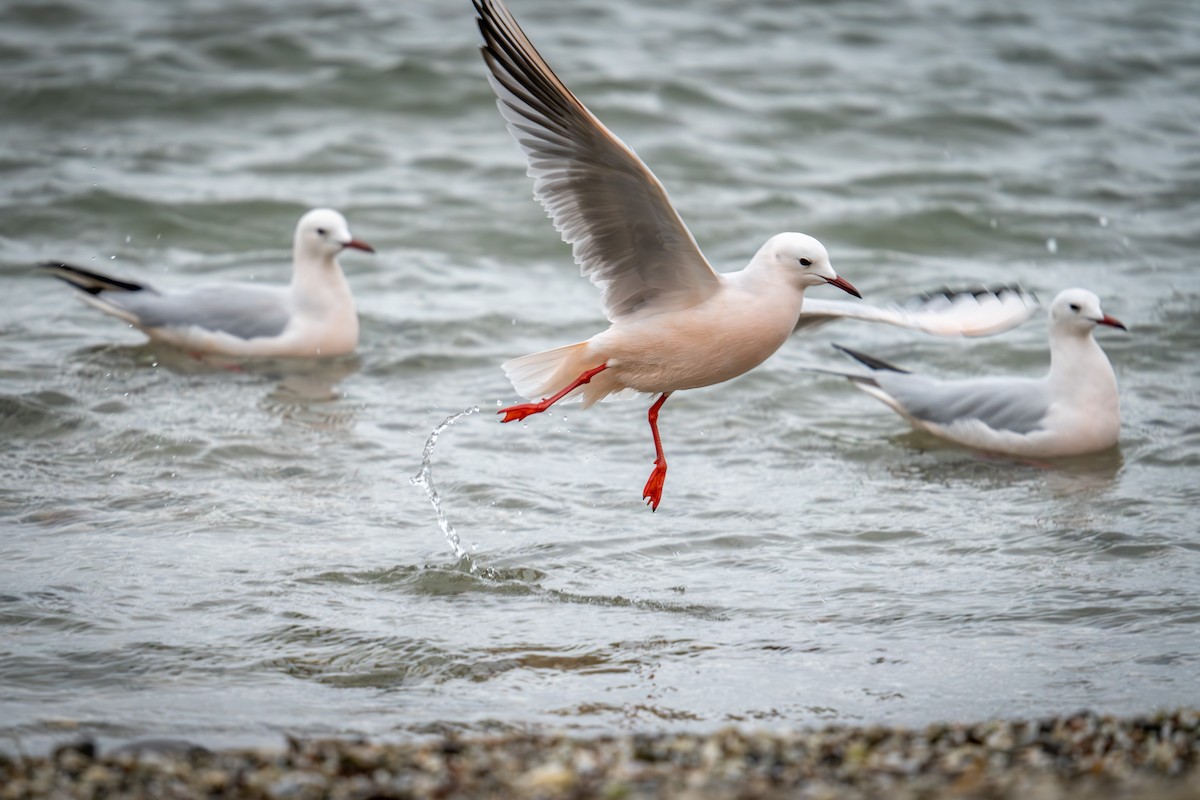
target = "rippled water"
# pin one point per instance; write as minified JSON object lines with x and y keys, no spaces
{"x":226,"y":556}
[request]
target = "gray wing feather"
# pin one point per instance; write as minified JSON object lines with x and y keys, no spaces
{"x":242,"y":310}
{"x":1009,"y":404}
{"x":625,"y":234}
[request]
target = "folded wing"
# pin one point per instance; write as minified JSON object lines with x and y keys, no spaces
{"x":246,"y":311}
{"x":1016,"y":405}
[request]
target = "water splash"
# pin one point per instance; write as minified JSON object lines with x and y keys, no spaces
{"x":424,"y":479}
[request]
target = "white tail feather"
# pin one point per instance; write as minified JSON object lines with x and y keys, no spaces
{"x":543,"y":374}
{"x":540,"y":374}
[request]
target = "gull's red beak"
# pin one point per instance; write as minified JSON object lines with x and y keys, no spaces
{"x":1111,"y":322}
{"x":847,"y":287}
{"x":357,"y":245}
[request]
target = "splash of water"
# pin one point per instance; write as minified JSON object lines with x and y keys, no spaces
{"x":424,"y":479}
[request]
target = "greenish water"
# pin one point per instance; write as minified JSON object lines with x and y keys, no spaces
{"x":224,"y":556}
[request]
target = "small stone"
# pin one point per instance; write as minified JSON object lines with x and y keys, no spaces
{"x":554,"y":779}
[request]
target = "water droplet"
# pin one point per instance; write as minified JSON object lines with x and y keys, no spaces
{"x":1052,"y":245}
{"x":1103,"y":222}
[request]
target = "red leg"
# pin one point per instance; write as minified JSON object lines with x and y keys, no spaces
{"x":652,"y":494}
{"x":526,"y":409}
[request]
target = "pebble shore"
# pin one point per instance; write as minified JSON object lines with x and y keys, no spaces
{"x":1080,"y":756}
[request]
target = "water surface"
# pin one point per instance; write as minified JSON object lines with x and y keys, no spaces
{"x":228,"y":556}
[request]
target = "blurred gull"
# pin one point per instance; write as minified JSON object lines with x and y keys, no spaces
{"x":946,"y":312}
{"x":1071,"y":411}
{"x":313,"y":317}
{"x":676,"y":323}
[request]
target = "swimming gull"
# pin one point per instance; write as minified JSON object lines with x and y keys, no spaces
{"x":314,"y":316}
{"x":1072,"y":410}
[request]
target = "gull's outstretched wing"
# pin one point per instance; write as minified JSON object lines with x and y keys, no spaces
{"x":946,"y":312}
{"x":626,"y":236}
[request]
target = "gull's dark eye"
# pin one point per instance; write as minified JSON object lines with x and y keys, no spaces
{"x":804,"y":262}
{"x":321,"y":231}
{"x":1074,"y":307}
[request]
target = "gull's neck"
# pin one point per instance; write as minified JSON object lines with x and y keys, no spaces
{"x":770,"y":289}
{"x":1078,"y":366}
{"x":318,"y":282}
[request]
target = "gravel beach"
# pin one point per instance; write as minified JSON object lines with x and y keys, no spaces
{"x":1079,"y":756}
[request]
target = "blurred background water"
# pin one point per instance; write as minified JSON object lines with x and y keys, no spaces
{"x":228,"y":556}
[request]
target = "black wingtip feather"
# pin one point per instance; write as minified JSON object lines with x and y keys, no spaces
{"x":87,"y":281}
{"x":870,"y":361}
{"x":999,"y":290}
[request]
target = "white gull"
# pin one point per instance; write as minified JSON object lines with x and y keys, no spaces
{"x":314,"y":316}
{"x":1072,"y":410}
{"x":675,"y":322}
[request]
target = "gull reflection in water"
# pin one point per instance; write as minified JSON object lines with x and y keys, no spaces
{"x":304,"y":391}
{"x":309,"y":392}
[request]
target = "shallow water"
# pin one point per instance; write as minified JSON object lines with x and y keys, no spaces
{"x":226,"y":556}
